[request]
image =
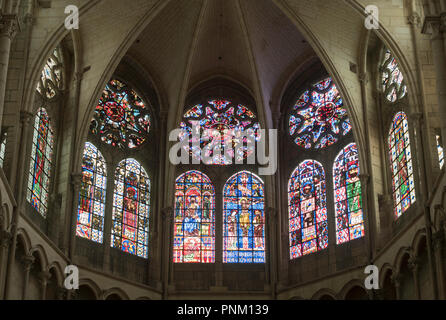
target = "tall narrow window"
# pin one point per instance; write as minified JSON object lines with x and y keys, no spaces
{"x":131,"y":207}
{"x":194,"y":230}
{"x":401,"y":161}
{"x":393,"y":83}
{"x":244,"y":219}
{"x":3,"y":148}
{"x":40,"y":164}
{"x":91,"y":208}
{"x":347,"y":195}
{"x":440,"y":151}
{"x":50,"y":82}
{"x":307,"y":209}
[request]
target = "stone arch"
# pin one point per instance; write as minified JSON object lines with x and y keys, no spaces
{"x":40,"y":254}
{"x":353,"y":290}
{"x":115,"y":294}
{"x":324,"y":294}
{"x":386,"y":283}
{"x":24,"y":240}
{"x":88,"y":290}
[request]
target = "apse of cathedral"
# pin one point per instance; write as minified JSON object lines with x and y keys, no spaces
{"x":222,"y":150}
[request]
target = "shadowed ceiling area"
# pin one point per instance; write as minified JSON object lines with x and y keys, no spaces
{"x":251,"y":42}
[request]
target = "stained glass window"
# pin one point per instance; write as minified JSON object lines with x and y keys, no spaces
{"x":50,"y":82}
{"x":347,"y":195}
{"x":220,"y":124}
{"x":393,"y":83}
{"x":40,"y":164}
{"x":440,"y":151}
{"x":91,"y":208}
{"x":3,"y":148}
{"x":401,"y":161}
{"x":194,"y":229}
{"x":319,"y":119}
{"x":244,"y":219}
{"x":131,"y":208}
{"x":121,"y":118}
{"x":307,"y":209}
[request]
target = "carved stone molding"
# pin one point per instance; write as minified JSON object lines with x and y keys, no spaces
{"x":25,"y":117}
{"x":167,"y":214}
{"x":414,"y":19}
{"x":5,"y":238}
{"x":28,"y":262}
{"x":434,"y":26}
{"x":76,"y":179}
{"x":9,"y":25}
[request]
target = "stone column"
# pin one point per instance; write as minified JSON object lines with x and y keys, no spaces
{"x":22,"y":142}
{"x":167,"y":266}
{"x":369,"y":230}
{"x":396,"y":280}
{"x":435,"y":26}
{"x":44,"y":277}
{"x":76,"y":179}
{"x":438,"y":240}
{"x":271,"y":248}
{"x":5,"y":240}
{"x":28,"y":262}
{"x":413,"y":266}
{"x":9,"y":25}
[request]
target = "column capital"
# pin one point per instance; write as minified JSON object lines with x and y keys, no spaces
{"x":438,"y":240}
{"x":9,"y":25}
{"x":271,"y":213}
{"x":414,"y":19}
{"x":413,"y":263}
{"x":434,"y":26}
{"x":5,"y":238}
{"x":167,"y":214}
{"x":396,"y":279}
{"x":28,"y":262}
{"x":44,"y":276}
{"x":25,"y":117}
{"x":365,"y":178}
{"x":363,"y":77}
{"x":416,"y":116}
{"x":76,"y":179}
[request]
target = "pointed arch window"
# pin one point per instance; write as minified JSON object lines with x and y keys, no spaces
{"x":347,"y":195}
{"x":319,"y":119}
{"x":401,"y":161}
{"x":50,"y":82}
{"x":41,"y":162}
{"x":244,"y":219}
{"x":131,"y":208}
{"x":194,"y":229}
{"x":307,"y":209}
{"x":440,"y":151}
{"x":393,"y":84}
{"x":91,"y":207}
{"x":3,"y":148}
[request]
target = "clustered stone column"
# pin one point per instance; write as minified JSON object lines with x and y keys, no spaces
{"x":9,"y":25}
{"x":435,"y":26}
{"x":5,"y":240}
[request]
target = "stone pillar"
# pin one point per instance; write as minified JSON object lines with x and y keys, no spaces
{"x":5,"y":240}
{"x":44,"y":277}
{"x":28,"y":262}
{"x":435,"y":26}
{"x":369,"y":230}
{"x":9,"y":25}
{"x":438,"y":240}
{"x":396,"y":280}
{"x":76,"y":179}
{"x":271,"y":248}
{"x":413,"y":266}
{"x":167,"y":266}
{"x":22,"y":142}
